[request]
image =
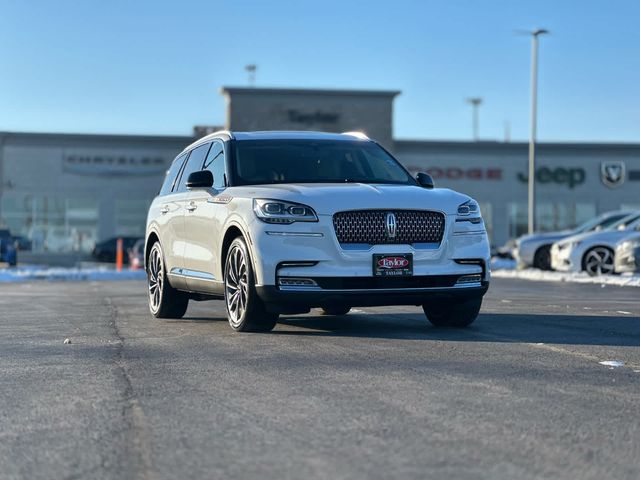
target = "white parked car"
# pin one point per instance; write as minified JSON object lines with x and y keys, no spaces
{"x":627,"y":256}
{"x":535,"y":250}
{"x":281,"y":222}
{"x":593,"y":252}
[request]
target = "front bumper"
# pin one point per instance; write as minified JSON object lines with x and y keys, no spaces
{"x":299,"y":301}
{"x":565,"y":259}
{"x":627,"y":260}
{"x":345,"y":275}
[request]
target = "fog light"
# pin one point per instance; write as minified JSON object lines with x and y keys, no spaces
{"x":297,"y":282}
{"x":466,"y":279}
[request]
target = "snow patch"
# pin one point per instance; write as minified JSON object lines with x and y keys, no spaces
{"x":501,"y":268}
{"x":612,"y":363}
{"x":29,"y":273}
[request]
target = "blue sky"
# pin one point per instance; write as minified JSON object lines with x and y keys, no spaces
{"x":155,"y":67}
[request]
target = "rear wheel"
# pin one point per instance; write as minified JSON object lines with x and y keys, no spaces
{"x":542,"y":258}
{"x":164,"y":300}
{"x":452,"y":314}
{"x":245,"y":310}
{"x":335,"y":310}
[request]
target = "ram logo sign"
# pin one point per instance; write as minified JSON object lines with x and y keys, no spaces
{"x":612,"y":173}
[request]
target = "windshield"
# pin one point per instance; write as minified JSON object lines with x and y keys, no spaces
{"x":624,"y":223}
{"x":603,"y":222}
{"x":322,"y":161}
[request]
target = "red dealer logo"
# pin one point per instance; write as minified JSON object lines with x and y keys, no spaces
{"x":457,"y":173}
{"x":393,"y":262}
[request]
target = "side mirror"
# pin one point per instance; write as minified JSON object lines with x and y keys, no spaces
{"x":425,"y":180}
{"x":201,"y":179}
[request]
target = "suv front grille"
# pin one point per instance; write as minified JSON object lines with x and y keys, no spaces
{"x":371,"y":227}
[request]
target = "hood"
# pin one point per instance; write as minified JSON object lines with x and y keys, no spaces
{"x":328,"y":198}
{"x":545,"y":236}
{"x":604,"y":236}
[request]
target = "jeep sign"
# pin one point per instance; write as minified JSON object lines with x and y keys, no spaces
{"x":571,"y":177}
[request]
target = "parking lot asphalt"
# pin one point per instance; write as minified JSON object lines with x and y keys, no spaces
{"x":377,"y":394}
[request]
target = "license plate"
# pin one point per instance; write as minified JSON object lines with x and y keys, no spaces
{"x":396,"y":265}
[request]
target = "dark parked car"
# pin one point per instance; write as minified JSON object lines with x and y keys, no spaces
{"x":22,"y":243}
{"x":7,"y":248}
{"x":105,"y":251}
{"x":136,"y":254}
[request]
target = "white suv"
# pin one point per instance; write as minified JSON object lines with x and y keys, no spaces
{"x":282,"y":222}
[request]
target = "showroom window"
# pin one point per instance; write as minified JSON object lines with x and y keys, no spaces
{"x":131,"y":216}
{"x":52,"y":224}
{"x":549,"y":216}
{"x":487,"y":215}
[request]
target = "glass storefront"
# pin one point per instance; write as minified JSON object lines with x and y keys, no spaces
{"x":131,"y":217}
{"x":487,"y":216}
{"x":54,"y":224}
{"x":549,"y":216}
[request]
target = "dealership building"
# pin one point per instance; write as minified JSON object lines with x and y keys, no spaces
{"x":67,"y":191}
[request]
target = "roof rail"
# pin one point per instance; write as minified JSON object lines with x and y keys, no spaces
{"x":206,"y":138}
{"x":360,"y":135}
{"x":223,"y":132}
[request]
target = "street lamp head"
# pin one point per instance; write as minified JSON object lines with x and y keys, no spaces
{"x":474,"y":100}
{"x":540,"y":31}
{"x":534,"y":33}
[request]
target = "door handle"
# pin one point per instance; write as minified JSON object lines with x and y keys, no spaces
{"x":164,"y":209}
{"x":192,"y":206}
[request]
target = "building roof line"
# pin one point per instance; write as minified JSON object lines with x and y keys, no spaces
{"x":488,"y":144}
{"x":225,"y":90}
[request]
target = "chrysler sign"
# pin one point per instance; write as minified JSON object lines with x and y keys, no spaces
{"x":113,"y":164}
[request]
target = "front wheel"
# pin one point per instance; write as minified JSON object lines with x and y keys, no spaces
{"x":542,"y":258}
{"x":598,"y":261}
{"x":164,"y":300}
{"x":452,"y":314}
{"x":245,"y":310}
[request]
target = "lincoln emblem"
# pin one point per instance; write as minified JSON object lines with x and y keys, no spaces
{"x":391,"y":225}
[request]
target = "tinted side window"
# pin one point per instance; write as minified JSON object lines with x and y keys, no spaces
{"x":194,"y":164}
{"x":172,"y":173}
{"x":215,"y":164}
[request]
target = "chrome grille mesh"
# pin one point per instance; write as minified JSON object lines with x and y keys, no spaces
{"x":370,"y":227}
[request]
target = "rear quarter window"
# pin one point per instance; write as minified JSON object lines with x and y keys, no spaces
{"x":172,"y":173}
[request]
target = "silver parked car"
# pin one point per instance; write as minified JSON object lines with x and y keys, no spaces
{"x":535,"y":250}
{"x":593,"y":252}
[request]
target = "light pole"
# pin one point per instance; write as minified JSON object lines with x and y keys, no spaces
{"x":475,"y":103}
{"x":532,"y":138}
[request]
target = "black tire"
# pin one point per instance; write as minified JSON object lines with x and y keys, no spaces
{"x":335,"y":310}
{"x":164,"y":300}
{"x":245,"y":311}
{"x":542,"y":258}
{"x":452,"y":314}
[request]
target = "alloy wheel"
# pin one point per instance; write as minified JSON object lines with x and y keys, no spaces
{"x":156,"y":278}
{"x":599,"y":261}
{"x":236,"y":285}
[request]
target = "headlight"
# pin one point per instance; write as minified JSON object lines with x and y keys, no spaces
{"x":469,"y":211}
{"x":569,"y":245}
{"x":277,"y":211}
{"x":630,"y":245}
{"x":468,"y":208}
